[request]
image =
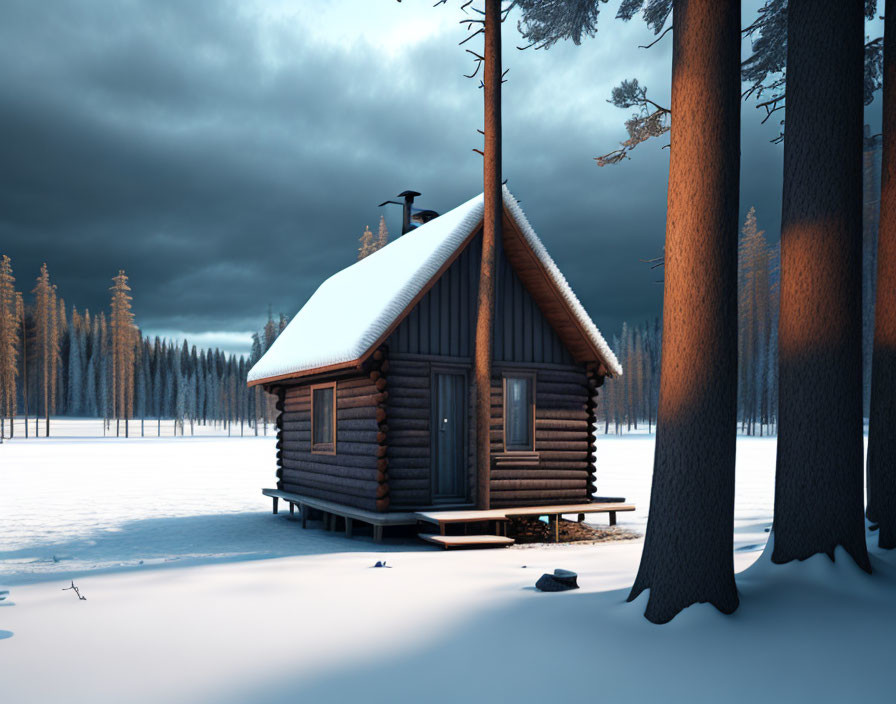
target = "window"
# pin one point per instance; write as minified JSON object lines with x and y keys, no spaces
{"x":323,"y":418}
{"x":518,"y":413}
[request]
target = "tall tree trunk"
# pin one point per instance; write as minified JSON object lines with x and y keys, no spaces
{"x":688,"y":556}
{"x":818,"y":484}
{"x":881,"y":433}
{"x":491,"y":231}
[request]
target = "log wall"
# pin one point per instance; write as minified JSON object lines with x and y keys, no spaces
{"x":409,"y":412}
{"x":357,"y":475}
{"x":562,"y":469}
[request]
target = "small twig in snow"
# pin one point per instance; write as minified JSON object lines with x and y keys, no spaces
{"x":82,"y":598}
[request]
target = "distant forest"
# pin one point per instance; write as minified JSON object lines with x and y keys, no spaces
{"x":629,"y":403}
{"x":55,"y":362}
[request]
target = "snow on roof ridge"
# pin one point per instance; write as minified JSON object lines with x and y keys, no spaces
{"x":354,"y":307}
{"x":556,"y":275}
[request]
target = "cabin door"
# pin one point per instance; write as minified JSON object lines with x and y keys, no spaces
{"x":448,"y":445}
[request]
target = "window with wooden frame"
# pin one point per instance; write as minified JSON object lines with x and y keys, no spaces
{"x":323,"y":418}
{"x":519,"y":412}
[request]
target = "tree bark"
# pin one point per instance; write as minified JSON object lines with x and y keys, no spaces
{"x":881,"y":434}
{"x":818,"y":483}
{"x":688,"y":555}
{"x":491,"y":231}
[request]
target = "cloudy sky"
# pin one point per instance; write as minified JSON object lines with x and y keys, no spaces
{"x":228,"y":155}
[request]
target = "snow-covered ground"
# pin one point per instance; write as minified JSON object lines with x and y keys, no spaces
{"x":195,"y":592}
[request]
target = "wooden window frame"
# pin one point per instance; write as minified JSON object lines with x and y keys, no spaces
{"x":516,"y":375}
{"x":328,"y":448}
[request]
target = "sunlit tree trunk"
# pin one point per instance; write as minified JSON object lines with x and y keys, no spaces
{"x":882,"y":427}
{"x":491,"y":231}
{"x":818,"y":484}
{"x":688,"y":555}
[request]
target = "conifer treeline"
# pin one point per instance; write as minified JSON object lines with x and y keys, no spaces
{"x":630,"y":402}
{"x":53,"y":363}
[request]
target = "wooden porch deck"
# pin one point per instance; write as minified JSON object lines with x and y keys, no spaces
{"x":443,"y":518}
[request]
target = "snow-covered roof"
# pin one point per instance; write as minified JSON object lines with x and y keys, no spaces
{"x":354,"y":308}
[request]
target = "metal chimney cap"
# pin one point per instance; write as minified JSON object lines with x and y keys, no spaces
{"x":404,"y":194}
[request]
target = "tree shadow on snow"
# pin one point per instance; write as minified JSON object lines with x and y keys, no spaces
{"x":186,"y":541}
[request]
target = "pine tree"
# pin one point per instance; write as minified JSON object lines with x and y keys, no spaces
{"x":47,"y":341}
{"x":820,"y":425}
{"x":75,"y":389}
{"x":881,"y":462}
{"x":8,"y":329}
{"x":121,"y":324}
{"x":23,"y":327}
{"x":368,"y":245}
{"x":382,"y":237}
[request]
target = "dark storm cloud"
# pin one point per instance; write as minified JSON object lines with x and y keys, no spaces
{"x":227,"y":160}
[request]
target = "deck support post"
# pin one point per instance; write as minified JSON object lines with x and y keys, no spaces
{"x":377,"y":533}
{"x":348,"y":527}
{"x":276,"y":502}
{"x":612,"y":518}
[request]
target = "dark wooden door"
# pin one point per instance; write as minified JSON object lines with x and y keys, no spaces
{"x":449,"y":446}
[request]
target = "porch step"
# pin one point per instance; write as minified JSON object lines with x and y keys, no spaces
{"x":467,"y":541}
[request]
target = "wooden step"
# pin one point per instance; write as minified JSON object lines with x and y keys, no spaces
{"x":467,"y":541}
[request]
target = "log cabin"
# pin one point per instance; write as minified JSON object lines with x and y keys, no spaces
{"x":374,"y":387}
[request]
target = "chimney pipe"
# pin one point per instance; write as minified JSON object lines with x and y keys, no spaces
{"x":408,"y":196}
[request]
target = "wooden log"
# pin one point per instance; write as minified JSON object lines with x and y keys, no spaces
{"x":352,"y":383}
{"x":400,"y":435}
{"x":559,"y":435}
{"x":382,"y":463}
{"x":297,"y":407}
{"x":408,"y":367}
{"x":397,"y":424}
{"x":380,"y":384}
{"x":548,"y":446}
{"x":397,"y":413}
{"x":397,"y":451}
{"x":362,"y":424}
{"x":561,"y":401}
{"x":415,"y":497}
{"x":358,"y":413}
{"x":384,"y":366}
{"x":498,"y":473}
{"x":542,"y":496}
{"x":368,"y":503}
{"x":365,"y":390}
{"x":418,"y":405}
{"x":375,"y":374}
{"x":362,"y":461}
{"x":410,"y":464}
{"x":565,"y":424}
{"x":296,"y":424}
{"x":292,"y":474}
{"x":529,"y":484}
{"x":398,"y":392}
{"x":418,"y":483}
{"x":379,"y":354}
{"x":558,"y":465}
{"x":400,"y":381}
{"x":563,"y":455}
{"x":342,"y":485}
{"x":398,"y":441}
{"x":573,"y":376}
{"x":359,"y":401}
{"x":382,"y":491}
{"x":297,"y":392}
{"x":576,"y":391}
{"x":542,"y":413}
{"x":362,"y":436}
{"x":398,"y":477}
